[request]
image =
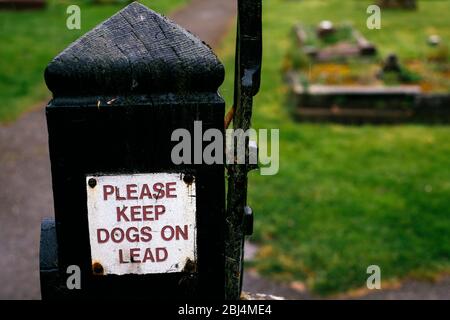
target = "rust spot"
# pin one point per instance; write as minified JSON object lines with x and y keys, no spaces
{"x":189,"y":278}
{"x":97,"y":269}
{"x":190,"y":266}
{"x":92,"y":182}
{"x":188,"y":179}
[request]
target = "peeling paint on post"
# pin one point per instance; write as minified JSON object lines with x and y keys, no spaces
{"x":118,"y":94}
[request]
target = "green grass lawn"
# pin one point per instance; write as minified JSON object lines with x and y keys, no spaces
{"x":347,"y":197}
{"x":30,"y":39}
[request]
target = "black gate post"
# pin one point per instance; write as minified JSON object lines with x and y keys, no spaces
{"x":119,"y":92}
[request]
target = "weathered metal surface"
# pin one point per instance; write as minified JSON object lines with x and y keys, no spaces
{"x":247,"y":81}
{"x":141,"y":223}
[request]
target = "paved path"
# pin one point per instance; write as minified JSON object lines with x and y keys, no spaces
{"x":207,"y":18}
{"x":25,"y":183}
{"x":25,"y":198}
{"x":413,"y":290}
{"x":409,"y":290}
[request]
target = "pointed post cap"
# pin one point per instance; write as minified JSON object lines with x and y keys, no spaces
{"x":136,"y":51}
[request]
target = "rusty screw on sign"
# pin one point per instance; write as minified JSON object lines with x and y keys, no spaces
{"x":97,"y":269}
{"x":188,"y":179}
{"x":92,"y":182}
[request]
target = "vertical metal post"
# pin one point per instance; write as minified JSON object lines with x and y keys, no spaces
{"x":247,"y":81}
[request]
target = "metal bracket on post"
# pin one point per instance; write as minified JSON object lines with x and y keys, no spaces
{"x":248,"y":221}
{"x":247,"y":82}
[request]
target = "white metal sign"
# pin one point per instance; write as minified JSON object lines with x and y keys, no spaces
{"x":141,"y":223}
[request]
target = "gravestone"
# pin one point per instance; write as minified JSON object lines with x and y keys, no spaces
{"x":402,"y":4}
{"x":391,"y":63}
{"x":22,"y":4}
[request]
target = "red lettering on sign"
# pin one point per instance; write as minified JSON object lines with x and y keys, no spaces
{"x":135,"y":192}
{"x":159,"y":210}
{"x":140,"y":213}
{"x":160,"y":251}
{"x":158,"y":188}
{"x":148,"y":256}
{"x":128,"y":230}
{"x":134,"y":255}
{"x":183,"y":233}
{"x":132,"y":192}
{"x":131,"y":234}
{"x":118,"y":196}
{"x":99,"y":237}
{"x":121,"y":260}
{"x":117,"y":235}
{"x":168,"y":233}
{"x":121,"y":214}
{"x":151,"y":255}
{"x":147,"y":212}
{"x":145,"y":192}
{"x":107,"y":190}
{"x":135,"y":213}
{"x":169,"y":190}
{"x":146,"y":234}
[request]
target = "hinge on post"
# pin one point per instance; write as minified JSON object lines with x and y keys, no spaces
{"x":248,"y":221}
